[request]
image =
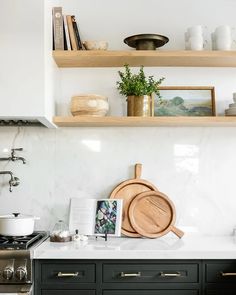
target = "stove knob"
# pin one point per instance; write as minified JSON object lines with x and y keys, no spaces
{"x":21,"y":273}
{"x":7,"y":273}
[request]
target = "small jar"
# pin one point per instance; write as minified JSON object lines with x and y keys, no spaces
{"x":60,"y":232}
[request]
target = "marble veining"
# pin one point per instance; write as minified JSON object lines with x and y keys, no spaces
{"x":193,"y":166}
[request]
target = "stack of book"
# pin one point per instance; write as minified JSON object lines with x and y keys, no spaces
{"x":65,"y":31}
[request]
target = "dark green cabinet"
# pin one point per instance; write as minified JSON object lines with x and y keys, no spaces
{"x":151,"y":292}
{"x":68,"y":292}
{"x":150,"y":273}
{"x":221,"y":292}
{"x":134,"y":277}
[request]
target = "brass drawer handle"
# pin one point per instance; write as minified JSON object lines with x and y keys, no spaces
{"x":228,"y":274}
{"x":130,"y":275}
{"x":67,"y":274}
{"x":170,"y":275}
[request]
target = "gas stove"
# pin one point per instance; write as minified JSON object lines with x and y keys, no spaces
{"x":24,"y":242}
{"x":16,"y":262}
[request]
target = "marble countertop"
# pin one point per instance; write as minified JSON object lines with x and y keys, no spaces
{"x":168,"y":247}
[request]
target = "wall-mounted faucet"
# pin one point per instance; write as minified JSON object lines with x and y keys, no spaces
{"x":14,"y":181}
{"x":13,"y":156}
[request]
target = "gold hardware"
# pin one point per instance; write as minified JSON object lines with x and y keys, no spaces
{"x":130,"y":275}
{"x":165,"y":275}
{"x":228,"y":274}
{"x":67,"y":274}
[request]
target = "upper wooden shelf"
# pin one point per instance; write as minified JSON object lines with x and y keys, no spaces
{"x":150,"y":58}
{"x":145,"y":121}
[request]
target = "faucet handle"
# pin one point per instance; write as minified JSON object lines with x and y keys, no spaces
{"x":17,"y":149}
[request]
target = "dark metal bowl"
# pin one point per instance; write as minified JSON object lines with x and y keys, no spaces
{"x":146,"y":41}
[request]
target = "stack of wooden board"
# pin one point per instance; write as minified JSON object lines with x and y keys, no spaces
{"x":146,"y":211}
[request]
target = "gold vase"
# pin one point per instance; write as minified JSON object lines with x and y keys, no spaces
{"x":140,"y":106}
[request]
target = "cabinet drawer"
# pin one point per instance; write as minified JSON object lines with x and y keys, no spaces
{"x":151,"y":292}
{"x":68,"y":292}
{"x":150,"y":273}
{"x":220,"y":292}
{"x":221,"y":272}
{"x":68,"y":273}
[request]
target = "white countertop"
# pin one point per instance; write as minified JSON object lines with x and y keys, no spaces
{"x":168,"y":247}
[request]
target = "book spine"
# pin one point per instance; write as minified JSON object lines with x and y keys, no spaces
{"x":58,"y":28}
{"x":76,"y":30}
{"x":67,"y":37}
{"x":71,"y":33}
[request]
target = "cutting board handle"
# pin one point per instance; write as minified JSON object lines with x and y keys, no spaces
{"x":179,"y":233}
{"x":138,"y":170}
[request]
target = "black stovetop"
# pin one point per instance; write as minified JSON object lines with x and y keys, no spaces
{"x":22,"y":242}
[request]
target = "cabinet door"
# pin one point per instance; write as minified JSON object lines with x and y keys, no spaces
{"x":150,"y":292}
{"x":68,"y":292}
{"x":217,"y":272}
{"x":67,"y":273}
{"x":150,"y":273}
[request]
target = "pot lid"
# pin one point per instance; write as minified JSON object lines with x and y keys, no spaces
{"x":17,"y":216}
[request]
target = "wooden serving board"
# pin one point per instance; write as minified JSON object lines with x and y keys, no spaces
{"x":127,"y":191}
{"x":152,"y":214}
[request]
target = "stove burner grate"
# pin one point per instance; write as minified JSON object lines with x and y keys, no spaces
{"x":22,"y":242}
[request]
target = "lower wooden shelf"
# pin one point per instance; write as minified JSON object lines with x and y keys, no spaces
{"x":218,"y":121}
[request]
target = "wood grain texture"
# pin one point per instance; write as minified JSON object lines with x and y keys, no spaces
{"x":126,"y":191}
{"x":145,"y":121}
{"x":152,"y":214}
{"x":150,"y":58}
{"x":89,"y":105}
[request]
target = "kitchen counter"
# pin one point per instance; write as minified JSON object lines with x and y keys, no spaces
{"x":168,"y":247}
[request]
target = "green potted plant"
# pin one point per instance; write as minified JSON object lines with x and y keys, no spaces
{"x":138,"y":89}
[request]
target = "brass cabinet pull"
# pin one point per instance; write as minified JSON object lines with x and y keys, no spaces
{"x":67,"y":274}
{"x":168,"y":275}
{"x":228,"y":274}
{"x":130,"y":275}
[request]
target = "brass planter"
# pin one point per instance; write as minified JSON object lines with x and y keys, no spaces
{"x":140,"y":106}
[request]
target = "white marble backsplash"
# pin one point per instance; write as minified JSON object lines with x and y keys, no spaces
{"x":195,"y":167}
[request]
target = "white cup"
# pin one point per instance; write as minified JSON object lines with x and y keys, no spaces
{"x":196,"y":43}
{"x":195,"y":31}
{"x":223,"y":31}
{"x":223,"y":43}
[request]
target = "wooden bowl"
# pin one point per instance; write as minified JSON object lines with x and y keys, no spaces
{"x":89,"y":105}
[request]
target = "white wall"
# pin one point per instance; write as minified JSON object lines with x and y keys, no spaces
{"x":195,"y":167}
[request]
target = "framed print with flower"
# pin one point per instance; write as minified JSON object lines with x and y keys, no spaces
{"x":185,"y":101}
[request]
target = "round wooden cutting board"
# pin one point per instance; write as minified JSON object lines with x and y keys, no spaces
{"x":127,"y":191}
{"x":152,"y":215}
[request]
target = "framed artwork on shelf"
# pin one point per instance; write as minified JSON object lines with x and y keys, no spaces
{"x":191,"y":101}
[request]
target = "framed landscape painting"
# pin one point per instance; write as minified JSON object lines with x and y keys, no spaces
{"x":185,"y":101}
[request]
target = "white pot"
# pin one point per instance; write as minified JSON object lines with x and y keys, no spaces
{"x":17,"y":224}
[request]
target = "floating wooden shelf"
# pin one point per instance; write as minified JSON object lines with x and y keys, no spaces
{"x":150,"y":58}
{"x":145,"y":121}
